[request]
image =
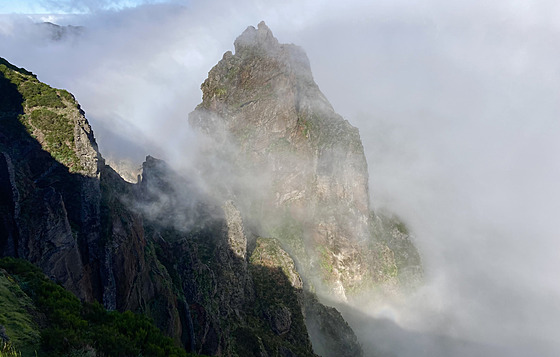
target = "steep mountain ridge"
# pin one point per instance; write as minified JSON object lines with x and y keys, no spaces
{"x":159,"y":247}
{"x":60,"y":204}
{"x":47,"y":153}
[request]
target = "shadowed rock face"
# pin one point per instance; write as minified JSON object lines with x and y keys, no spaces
{"x":159,"y":247}
{"x":61,"y":205}
{"x":232,"y":302}
{"x":49,"y":169}
{"x":262,"y":106}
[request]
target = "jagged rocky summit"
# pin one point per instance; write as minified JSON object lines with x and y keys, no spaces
{"x":54,"y":32}
{"x":160,"y":247}
{"x":228,"y":268}
{"x":296,"y":168}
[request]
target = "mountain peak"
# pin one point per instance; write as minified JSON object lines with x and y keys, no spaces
{"x":308,"y":160}
{"x":259,"y":38}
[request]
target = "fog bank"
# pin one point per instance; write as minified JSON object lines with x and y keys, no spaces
{"x":457,"y":106}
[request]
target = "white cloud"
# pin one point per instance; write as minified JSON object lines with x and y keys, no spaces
{"x":457,"y":104}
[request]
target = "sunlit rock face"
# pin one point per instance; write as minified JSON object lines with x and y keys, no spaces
{"x":295,"y":167}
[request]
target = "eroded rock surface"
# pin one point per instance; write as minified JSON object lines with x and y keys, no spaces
{"x":295,"y":168}
{"x":309,"y":161}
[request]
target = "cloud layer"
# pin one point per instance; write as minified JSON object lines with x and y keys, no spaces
{"x":457,"y":105}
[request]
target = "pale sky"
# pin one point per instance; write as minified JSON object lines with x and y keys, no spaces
{"x":21,"y":7}
{"x":66,"y":6}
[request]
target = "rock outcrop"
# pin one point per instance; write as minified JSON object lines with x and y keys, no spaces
{"x":229,"y":304}
{"x":49,"y":170}
{"x":295,"y":168}
{"x":54,"y":32}
{"x":330,"y":335}
{"x":403,"y":262}
{"x":61,"y":205}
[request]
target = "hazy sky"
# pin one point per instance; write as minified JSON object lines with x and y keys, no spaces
{"x":458,"y":108}
{"x":68,"y":6}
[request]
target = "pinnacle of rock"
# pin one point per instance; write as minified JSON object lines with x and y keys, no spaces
{"x":254,"y":39}
{"x":308,"y":160}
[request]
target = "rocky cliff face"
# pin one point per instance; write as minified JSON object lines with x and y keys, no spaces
{"x":50,"y":169}
{"x":61,"y":204}
{"x":161,"y":246}
{"x":295,"y":167}
{"x":238,"y":294}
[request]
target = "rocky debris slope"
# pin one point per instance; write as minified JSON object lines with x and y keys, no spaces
{"x":295,"y":167}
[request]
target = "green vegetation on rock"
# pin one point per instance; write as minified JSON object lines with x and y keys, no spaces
{"x":16,"y":315}
{"x":7,"y":349}
{"x":34,"y":92}
{"x":390,"y":234}
{"x":58,"y":134}
{"x":46,"y":113}
{"x":325,"y":259}
{"x":70,"y":327}
{"x":38,"y":94}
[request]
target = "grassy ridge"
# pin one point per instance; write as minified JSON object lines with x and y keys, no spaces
{"x":47,"y":112}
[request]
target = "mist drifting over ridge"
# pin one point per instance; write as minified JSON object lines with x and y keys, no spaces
{"x":457,"y":106}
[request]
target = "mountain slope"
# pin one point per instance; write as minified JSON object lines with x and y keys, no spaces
{"x":61,"y":202}
{"x":160,"y":247}
{"x":49,"y":173}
